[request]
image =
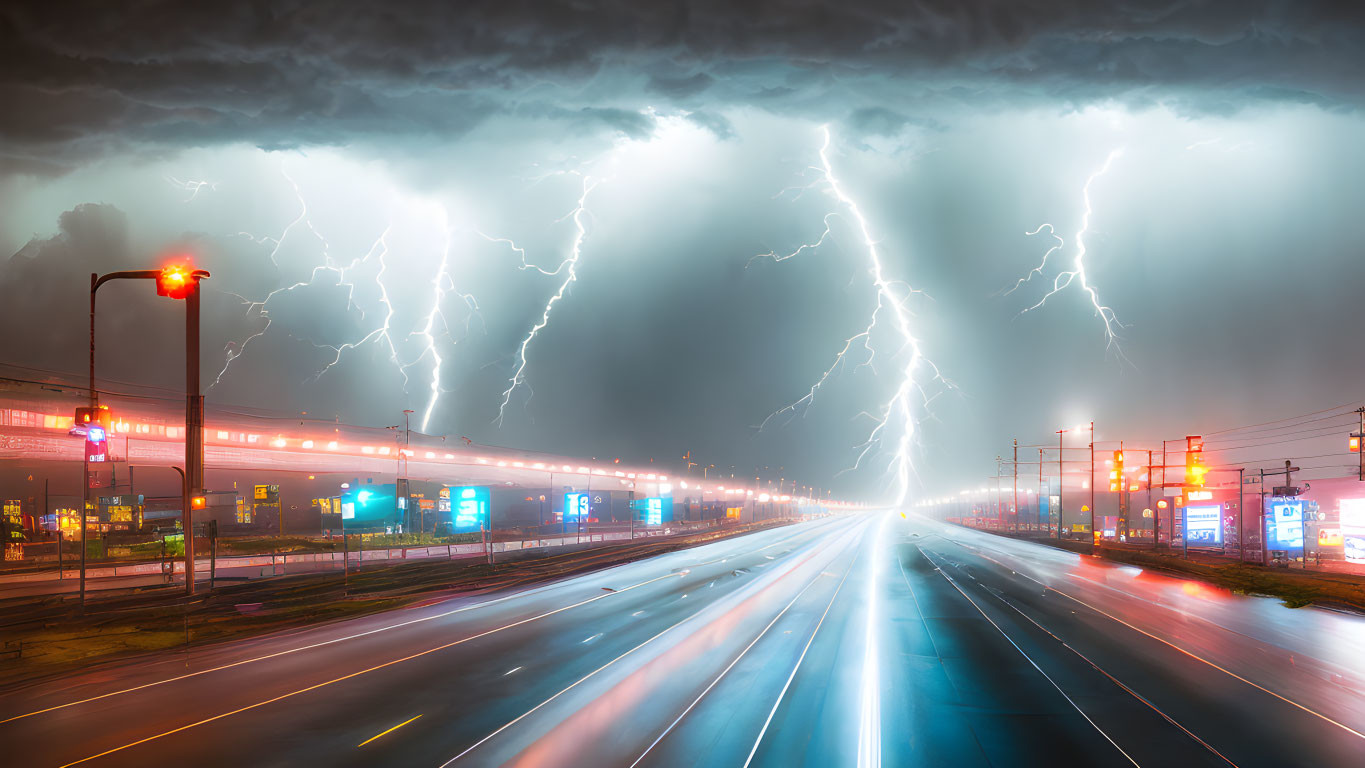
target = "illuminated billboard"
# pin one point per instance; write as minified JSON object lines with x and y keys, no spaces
{"x":470,"y":505}
{"x":1353,"y":529}
{"x":1286,"y":527}
{"x":1204,"y":526}
{"x":577,"y":506}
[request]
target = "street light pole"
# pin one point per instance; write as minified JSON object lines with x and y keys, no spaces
{"x":177,"y":283}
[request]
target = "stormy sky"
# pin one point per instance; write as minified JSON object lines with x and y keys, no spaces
{"x":380,"y":190}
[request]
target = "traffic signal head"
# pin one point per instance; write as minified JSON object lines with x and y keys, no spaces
{"x":175,"y":281}
{"x":1116,"y":474}
{"x":1353,"y":443}
{"x":198,"y":502}
{"x":96,"y":420}
{"x":1194,"y":461}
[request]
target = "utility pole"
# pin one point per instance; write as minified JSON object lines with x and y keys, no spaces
{"x":1360,"y":444}
{"x":1061,"y":482}
{"x":194,"y":427}
{"x":1016,"y":483}
{"x":1155,"y":516}
{"x":1093,"y":537}
{"x":1241,"y":527}
{"x":1041,"y":497}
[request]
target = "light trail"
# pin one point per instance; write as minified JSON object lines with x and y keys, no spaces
{"x":806,"y":649}
{"x":870,"y":709}
{"x":302,"y":648}
{"x":1077,"y":273}
{"x":351,"y":675}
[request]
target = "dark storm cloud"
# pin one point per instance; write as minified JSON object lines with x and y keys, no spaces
{"x":79,"y":81}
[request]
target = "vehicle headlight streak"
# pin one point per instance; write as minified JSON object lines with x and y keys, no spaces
{"x":899,"y":414}
{"x":575,"y":252}
{"x":1077,"y":273}
{"x":870,"y":708}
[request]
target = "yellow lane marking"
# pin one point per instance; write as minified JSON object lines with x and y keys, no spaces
{"x":386,"y":731}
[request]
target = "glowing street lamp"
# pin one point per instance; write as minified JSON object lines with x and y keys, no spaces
{"x":175,"y":281}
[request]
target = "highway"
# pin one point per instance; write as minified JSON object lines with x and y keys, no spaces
{"x":859,"y":640}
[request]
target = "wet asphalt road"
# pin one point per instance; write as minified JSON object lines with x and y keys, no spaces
{"x":847,"y":641}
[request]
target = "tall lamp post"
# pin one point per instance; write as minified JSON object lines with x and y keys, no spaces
{"x":176,"y":282}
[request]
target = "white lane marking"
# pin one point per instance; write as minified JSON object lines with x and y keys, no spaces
{"x":1196,"y":657}
{"x":722,"y":674}
{"x":587,"y":640}
{"x":1027,"y":658}
{"x":573,"y":685}
{"x":133,"y":689}
{"x":510,"y":671}
{"x":1116,"y":681}
{"x":637,"y":613}
{"x":361,"y":672}
{"x":799,"y":659}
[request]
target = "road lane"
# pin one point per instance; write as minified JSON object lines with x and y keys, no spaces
{"x":334,"y":652}
{"x":855,"y":641}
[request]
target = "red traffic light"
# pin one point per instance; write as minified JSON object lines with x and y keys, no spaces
{"x":1353,"y":443}
{"x":198,"y":502}
{"x":97,"y":416}
{"x":175,"y":281}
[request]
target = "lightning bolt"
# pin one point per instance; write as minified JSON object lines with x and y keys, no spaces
{"x":521,"y":254}
{"x":441,"y":283}
{"x":193,"y":187}
{"x":261,"y":307}
{"x":571,"y":265}
{"x":1038,"y":270}
{"x":899,"y":413}
{"x":1077,"y":272}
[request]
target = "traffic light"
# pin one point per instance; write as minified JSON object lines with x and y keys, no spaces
{"x":1353,"y":443}
{"x":96,"y":421}
{"x":1116,"y":474}
{"x":1194,"y":461}
{"x":198,"y":502}
{"x":175,"y":281}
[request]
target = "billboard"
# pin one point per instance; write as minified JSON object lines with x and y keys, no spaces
{"x":1353,"y":529}
{"x":1204,"y":526}
{"x":654,"y":511}
{"x":1286,"y":523}
{"x":470,"y":506}
{"x":576,"y":506}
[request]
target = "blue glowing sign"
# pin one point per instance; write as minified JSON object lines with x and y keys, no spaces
{"x":1204,"y":526}
{"x":471,"y":505}
{"x":577,"y":506}
{"x":654,"y":511}
{"x":94,"y":434}
{"x":1287,"y":522}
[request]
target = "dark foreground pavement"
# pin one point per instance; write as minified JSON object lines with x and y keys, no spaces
{"x":850,"y":641}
